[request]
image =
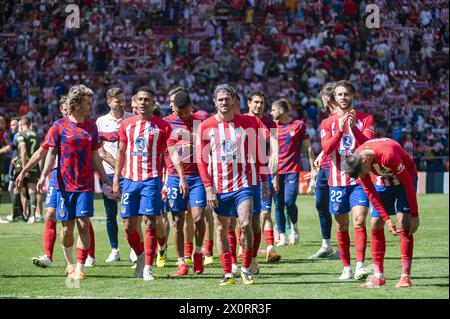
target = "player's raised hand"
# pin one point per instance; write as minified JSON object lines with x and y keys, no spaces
{"x":391,"y":227}
{"x":211,"y":198}
{"x":342,"y":122}
{"x":116,"y":188}
{"x":351,"y":118}
{"x":413,"y":225}
{"x":184,"y":188}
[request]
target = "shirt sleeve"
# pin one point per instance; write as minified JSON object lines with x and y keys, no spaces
{"x":303,"y":133}
{"x":96,"y":143}
{"x":374,"y":197}
{"x":202,"y":145}
{"x":367,"y":133}
{"x":329,"y":142}
{"x":397,"y":166}
{"x":122,"y":134}
{"x":52,"y":138}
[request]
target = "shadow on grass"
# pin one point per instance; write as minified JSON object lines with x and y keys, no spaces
{"x":418,"y":258}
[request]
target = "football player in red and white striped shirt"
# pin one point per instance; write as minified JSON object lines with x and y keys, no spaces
{"x":395,"y":192}
{"x":142,"y":144}
{"x":225,"y":140}
{"x":341,"y":135}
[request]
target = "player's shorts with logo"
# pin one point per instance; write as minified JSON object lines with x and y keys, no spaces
{"x":394,"y":199}
{"x":196,"y":196}
{"x":141,"y":198}
{"x":51,"y":199}
{"x":343,"y":198}
{"x":72,"y":205}
{"x":229,"y":202}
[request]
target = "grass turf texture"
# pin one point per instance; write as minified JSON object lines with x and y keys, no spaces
{"x":293,"y":277}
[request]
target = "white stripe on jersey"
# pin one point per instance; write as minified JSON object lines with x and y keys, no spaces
{"x":223,"y":163}
{"x":145,"y":158}
{"x":243,"y":161}
{"x":333,"y":157}
{"x":233,"y":164}
{"x":137,"y":129}
{"x":213,"y":159}
{"x":128,"y":151}
{"x":154,"y":159}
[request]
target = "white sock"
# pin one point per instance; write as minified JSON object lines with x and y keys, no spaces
{"x":79,"y":267}
{"x":147,"y":268}
{"x":198,"y":250}
{"x":116,"y":250}
{"x":326,"y":244}
{"x":229,"y":275}
{"x":405,"y":275}
{"x":359,"y":264}
{"x":282,"y":236}
{"x":269,"y":248}
{"x":379,"y":275}
{"x":245,"y":269}
{"x":348,"y":268}
{"x":68,"y":254}
{"x":181,"y":261}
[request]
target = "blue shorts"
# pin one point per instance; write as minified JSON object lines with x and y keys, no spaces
{"x":72,"y":205}
{"x":141,"y":198}
{"x":51,"y":199}
{"x":231,"y":201}
{"x":343,"y":198}
{"x":196,"y":196}
{"x":266,"y":206}
{"x":256,"y":200}
{"x":394,"y":199}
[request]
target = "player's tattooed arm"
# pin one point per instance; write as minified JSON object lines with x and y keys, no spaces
{"x":34,"y":160}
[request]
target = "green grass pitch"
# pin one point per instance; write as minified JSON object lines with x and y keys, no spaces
{"x":293,"y":277}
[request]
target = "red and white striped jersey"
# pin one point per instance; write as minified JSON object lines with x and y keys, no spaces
{"x":146,"y":142}
{"x":391,"y":163}
{"x":341,"y":144}
{"x":231,"y":148}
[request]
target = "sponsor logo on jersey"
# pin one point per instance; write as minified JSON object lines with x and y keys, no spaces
{"x":140,"y":143}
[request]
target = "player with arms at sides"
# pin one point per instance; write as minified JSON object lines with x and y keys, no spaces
{"x":341,"y":134}
{"x":255,"y":103}
{"x":395,"y":190}
{"x":291,"y":135}
{"x":223,"y":140}
{"x":75,"y":140}
{"x":27,"y":143}
{"x":321,"y":175}
{"x":110,"y":123}
{"x":184,"y":122}
{"x":142,"y":144}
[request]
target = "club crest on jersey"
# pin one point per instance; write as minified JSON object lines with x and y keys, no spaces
{"x":228,"y":149}
{"x":140,"y":143}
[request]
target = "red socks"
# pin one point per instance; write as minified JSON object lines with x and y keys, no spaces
{"x":378,"y":249}
{"x":150,"y":245}
{"x":360,"y":243}
{"x":268,"y":237}
{"x":343,"y":240}
{"x":256,"y":243}
{"x":225,"y":260}
{"x":209,"y":245}
{"x":188,"y":249}
{"x":134,"y":240}
{"x":82,"y":255}
{"x":92,"y":247}
{"x":232,"y":242}
{"x":246,"y":257}
{"x":49,"y":237}
{"x":406,"y":249}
